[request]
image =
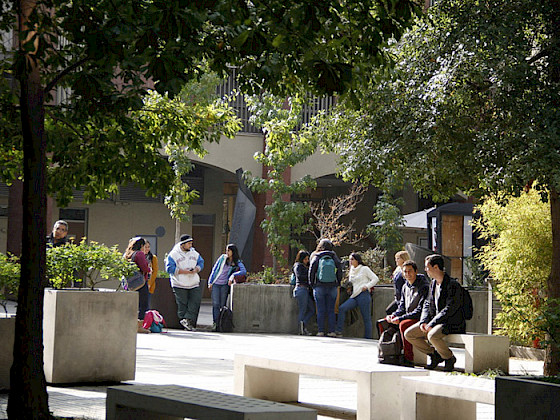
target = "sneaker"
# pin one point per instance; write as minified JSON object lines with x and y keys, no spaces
{"x":338,"y":334}
{"x":332,"y":334}
{"x":214,"y":327}
{"x":320,"y":334}
{"x":435,"y":359}
{"x":185,"y":324}
{"x":191,"y":325}
{"x":450,"y":364}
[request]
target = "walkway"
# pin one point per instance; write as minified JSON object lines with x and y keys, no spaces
{"x":205,"y":360}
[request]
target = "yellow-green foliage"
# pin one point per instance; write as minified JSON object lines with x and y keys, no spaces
{"x":518,"y":257}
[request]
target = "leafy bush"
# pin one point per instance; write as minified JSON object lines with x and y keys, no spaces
{"x":518,"y":257}
{"x":9,"y":278}
{"x":90,"y":263}
{"x":267,"y":276}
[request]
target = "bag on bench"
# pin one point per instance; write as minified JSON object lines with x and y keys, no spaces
{"x":391,"y":347}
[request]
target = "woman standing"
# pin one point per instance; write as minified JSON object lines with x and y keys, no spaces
{"x":398,"y":280}
{"x":135,"y":253}
{"x":325,"y":274}
{"x":362,"y":279}
{"x":226,"y":269}
{"x":154,"y":267}
{"x":302,"y":291}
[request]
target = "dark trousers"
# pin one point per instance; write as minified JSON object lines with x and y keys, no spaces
{"x":143,"y":300}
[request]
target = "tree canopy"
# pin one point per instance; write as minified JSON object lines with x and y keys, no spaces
{"x":472,"y":104}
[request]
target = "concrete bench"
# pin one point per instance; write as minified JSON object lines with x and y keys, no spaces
{"x":440,"y":396}
{"x":173,"y":402}
{"x":482,"y":351}
{"x":276,"y":378}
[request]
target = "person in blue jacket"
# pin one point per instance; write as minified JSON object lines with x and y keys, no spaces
{"x":227,"y":269}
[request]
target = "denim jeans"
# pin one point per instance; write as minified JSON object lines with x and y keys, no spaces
{"x":306,"y":305}
{"x":325,"y":297}
{"x":219,"y":298}
{"x":363,"y":301}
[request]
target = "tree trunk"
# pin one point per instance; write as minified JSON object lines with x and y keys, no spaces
{"x":15,"y":218}
{"x":28,"y":390}
{"x":552,"y":354}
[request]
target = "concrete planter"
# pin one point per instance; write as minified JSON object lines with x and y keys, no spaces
{"x":526,"y":398}
{"x":7,"y":332}
{"x":89,"y":336}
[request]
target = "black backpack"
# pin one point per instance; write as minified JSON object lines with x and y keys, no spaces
{"x":391,"y":347}
{"x":225,"y":320}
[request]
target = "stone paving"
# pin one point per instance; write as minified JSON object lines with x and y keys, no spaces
{"x":204,"y":360}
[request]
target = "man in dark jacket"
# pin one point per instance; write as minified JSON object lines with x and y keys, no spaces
{"x":408,"y":312}
{"x":442,"y":314}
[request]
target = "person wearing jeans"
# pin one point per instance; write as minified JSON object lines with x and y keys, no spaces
{"x":302,"y":294}
{"x":227,"y":268}
{"x":362,"y":279}
{"x":325,"y":274}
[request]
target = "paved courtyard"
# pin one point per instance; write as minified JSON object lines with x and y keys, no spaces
{"x":204,"y":360}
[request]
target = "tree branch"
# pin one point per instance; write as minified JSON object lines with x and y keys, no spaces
{"x":50,"y":86}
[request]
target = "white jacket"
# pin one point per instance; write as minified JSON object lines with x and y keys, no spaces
{"x":183,"y":260}
{"x":361,"y":276}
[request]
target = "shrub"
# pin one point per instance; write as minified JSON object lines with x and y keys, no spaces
{"x":518,"y":256}
{"x":89,"y":263}
{"x":9,"y":278}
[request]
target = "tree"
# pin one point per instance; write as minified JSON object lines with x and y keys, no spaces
{"x":103,"y":54}
{"x":472,"y":104}
{"x":327,"y":215}
{"x":284,"y":148}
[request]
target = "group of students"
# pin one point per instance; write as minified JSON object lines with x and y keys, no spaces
{"x":317,"y":278}
{"x":184,"y":263}
{"x":424,"y":311}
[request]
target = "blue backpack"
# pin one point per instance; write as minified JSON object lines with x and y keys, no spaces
{"x":326,"y":270}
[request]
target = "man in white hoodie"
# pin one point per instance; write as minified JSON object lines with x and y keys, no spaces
{"x":183,"y":265}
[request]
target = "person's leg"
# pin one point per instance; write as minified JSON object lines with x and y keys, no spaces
{"x":143,"y":293}
{"x":364,"y":303}
{"x":417,"y":338}
{"x":408,"y":351}
{"x":310,"y":311}
{"x":300,"y":293}
{"x":332,"y":294}
{"x":224,"y":292}
{"x":193,"y":304}
{"x":342,"y":309}
{"x":181,"y":299}
{"x":321,"y":300}
{"x":435,"y":337}
{"x":215,"y":295}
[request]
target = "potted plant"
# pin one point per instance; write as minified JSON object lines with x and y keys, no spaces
{"x":9,"y":282}
{"x":89,"y":334}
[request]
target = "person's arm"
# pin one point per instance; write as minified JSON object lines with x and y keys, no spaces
{"x":199,"y":263}
{"x":242,"y":271}
{"x":302,"y":273}
{"x":142,"y":262}
{"x":214,"y":273}
{"x":338,"y":265}
{"x":313,"y":271}
{"x":372,"y":277}
{"x":170,"y":265}
{"x":416,"y":312}
{"x":155,"y":266}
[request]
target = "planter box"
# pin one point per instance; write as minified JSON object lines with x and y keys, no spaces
{"x":526,"y":398}
{"x":7,"y":332}
{"x":89,"y":336}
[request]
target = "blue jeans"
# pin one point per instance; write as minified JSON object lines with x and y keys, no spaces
{"x":219,"y":298}
{"x":305,"y":303}
{"x":363,"y":301}
{"x":325,"y":297}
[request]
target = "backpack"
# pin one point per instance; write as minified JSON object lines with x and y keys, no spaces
{"x":153,"y":321}
{"x":467,"y":304}
{"x":390,"y":347}
{"x":326,"y":270}
{"x":225,"y":320}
